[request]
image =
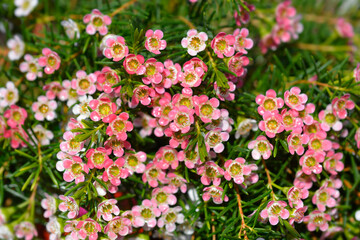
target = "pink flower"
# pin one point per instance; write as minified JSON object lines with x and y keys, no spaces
{"x":303,"y":180}
{"x":182,"y":117}
{"x":163,"y":198}
{"x":53,"y":90}
{"x":210,"y":172}
{"x":214,"y":139}
{"x":236,"y":169}
{"x":69,"y":204}
{"x":31,"y":67}
{"x":344,"y":28}
{"x":134,"y":162}
{"x":70,"y":145}
{"x":119,"y":125}
{"x":192,"y":76}
{"x":357,"y":138}
{"x":329,"y":120}
{"x":8,"y":95}
{"x":142,"y":94}
{"x":106,"y":209}
{"x":25,"y":230}
{"x":281,"y":33}
{"x":98,"y":157}
{"x":323,"y":198}
{"x":44,"y":109}
{"x":49,"y":205}
{"x":106,"y":79}
{"x":175,"y":182}
{"x":169,"y":217}
{"x":133,"y":64}
{"x":114,"y":171}
{"x":101,"y":191}
{"x":96,"y":22}
{"x":237,"y":63}
{"x":103,"y":109}
{"x":222,"y":45}
{"x":269,"y":102}
{"x":73,"y":167}
{"x":339,"y":106}
{"x":69,"y":94}
{"x":115,"y":48}
{"x":295,"y":195}
{"x":118,"y":226}
{"x":152,"y":174}
{"x":70,"y":227}
{"x":184,"y":99}
{"x":262,"y":147}
{"x":311,"y":160}
{"x":153,"y":42}
{"x":295,"y":100}
{"x":305,"y":114}
{"x":88,"y":228}
{"x":319,"y":143}
{"x":15,"y":116}
{"x":195,"y":42}
{"x":146,"y":213}
{"x":195,"y":63}
{"x":191,"y":157}
{"x":317,"y":219}
{"x":162,"y":112}
{"x":290,"y":120}
{"x":297,"y":215}
{"x":332,"y":162}
{"x":274,"y":210}
{"x":15,"y":140}
{"x":83,"y":83}
{"x":241,"y":40}
{"x":51,"y":61}
{"x":165,"y":157}
{"x":172,"y":72}
{"x":244,"y":15}
{"x":296,"y":140}
{"x":206,"y":108}
{"x":225,"y":93}
{"x":313,"y":128}
{"x":285,"y":12}
{"x":357,"y":73}
{"x":272,"y":124}
{"x":215,"y":193}
{"x":224,"y":122}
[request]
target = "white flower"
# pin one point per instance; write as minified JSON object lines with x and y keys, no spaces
{"x":195,"y":42}
{"x":53,"y":227}
{"x":82,"y":107}
{"x":17,"y":48}
{"x":43,"y":135}
{"x":5,"y":233}
{"x":24,"y":7}
{"x":71,"y":28}
{"x":245,"y":126}
{"x":8,"y":95}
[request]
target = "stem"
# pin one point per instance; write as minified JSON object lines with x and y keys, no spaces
{"x":243,"y":224}
{"x":269,"y":179}
{"x":126,"y":5}
{"x":318,"y":83}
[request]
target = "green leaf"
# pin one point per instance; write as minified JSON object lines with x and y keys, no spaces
{"x":221,"y":80}
{"x":291,"y":230}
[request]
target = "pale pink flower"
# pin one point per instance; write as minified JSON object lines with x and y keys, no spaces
{"x":154,"y":42}
{"x":329,"y":119}
{"x":106,"y":79}
{"x":206,"y":108}
{"x":133,"y":64}
{"x":314,"y":128}
{"x":296,"y":140}
{"x":210,"y":172}
{"x":49,"y":205}
{"x":184,"y":99}
{"x":162,"y":112}
{"x":69,"y":94}
{"x":195,"y":42}
{"x":152,"y":174}
{"x":295,"y":195}
{"x":118,"y":226}
{"x":53,"y":90}
{"x":15,"y":140}
{"x":195,"y":63}
{"x":88,"y":228}
{"x":222,"y":45}
{"x":243,"y":16}
{"x":25,"y":230}
{"x":357,"y":73}
{"x":290,"y":120}
{"x":147,"y":124}
{"x":83,"y":83}
{"x":225,"y":93}
{"x":224,"y":122}
{"x":73,"y":168}
{"x":169,"y":217}
{"x":269,"y":102}
{"x":294,"y":99}
{"x":285,"y":12}
{"x":275,"y":210}
{"x":163,"y":197}
{"x":107,"y":208}
{"x":339,"y":106}
{"x":44,"y":109}
{"x":357,"y":138}
{"x":236,"y":169}
{"x":192,"y":76}
{"x":267,"y":42}
{"x":190,"y":157}
{"x":310,"y":162}
{"x":96,"y":22}
{"x":172,"y":72}
{"x":333,"y":163}
{"x":70,"y":228}
{"x":51,"y":61}
{"x":182,"y":117}
{"x":323,"y":198}
{"x":82,"y":109}
{"x":8,"y":95}
{"x":237,"y":63}
{"x":70,"y":145}
{"x":146,"y":213}
{"x":15,"y":116}
{"x":115,"y":48}
{"x":134,"y":162}
{"x":53,"y":227}
{"x":165,"y":157}
{"x":175,"y":182}
{"x":245,"y":126}
{"x":214,"y":139}
{"x":344,"y":28}
{"x":241,"y":40}
{"x":318,"y":142}
{"x":214,"y":192}
{"x":272,"y":124}
{"x":297,"y":215}
{"x":142,"y":94}
{"x":119,"y":125}
{"x":261,"y":148}
{"x":303,"y":180}
{"x":114,"y":171}
{"x":16,"y":47}
{"x":2,"y":125}
{"x":69,"y":204}
{"x":331,"y":232}
{"x":102,"y":108}
{"x":305,"y":114}
{"x":101,"y":191}
{"x":31,"y":67}
{"x":98,"y":157}
{"x":71,"y":29}
{"x":281,"y":33}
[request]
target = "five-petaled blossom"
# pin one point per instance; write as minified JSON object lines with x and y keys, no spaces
{"x":154,"y":42}
{"x":51,"y":61}
{"x":214,"y":192}
{"x":236,"y":169}
{"x":69,"y":204}
{"x":96,"y":22}
{"x":195,"y":42}
{"x":275,"y":210}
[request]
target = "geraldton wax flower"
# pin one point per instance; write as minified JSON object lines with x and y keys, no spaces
{"x":163,"y":198}
{"x":96,"y":22}
{"x":84,"y":83}
{"x":71,"y":145}
{"x":339,"y":106}
{"x":114,"y":171}
{"x":294,"y":99}
{"x":106,"y":79}
{"x":73,"y":168}
{"x":69,"y":204}
{"x":115,"y":48}
{"x":206,"y":108}
{"x":98,"y":157}
{"x":214,"y":192}
{"x":317,"y":219}
{"x":275,"y":210}
{"x":25,"y":230}
{"x":15,"y":116}
{"x":133,"y":64}
{"x":44,"y":109}
{"x":222,"y":45}
{"x":169,"y":217}
{"x":154,"y":42}
{"x":272,"y":124}
{"x":210,"y":172}
{"x":311,"y":160}
{"x":50,"y":60}
{"x":241,"y":40}
{"x":153,"y":174}
{"x":269,"y":102}
{"x":195,"y":42}
{"x":88,"y":228}
{"x":118,"y":226}
{"x":17,"y":48}
{"x":8,"y":95}
{"x":236,"y":169}
{"x":102,"y":108}
{"x":147,"y":213}
{"x":119,"y":125}
{"x":31,"y":67}
{"x":261,"y":148}
{"x":107,"y":208}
